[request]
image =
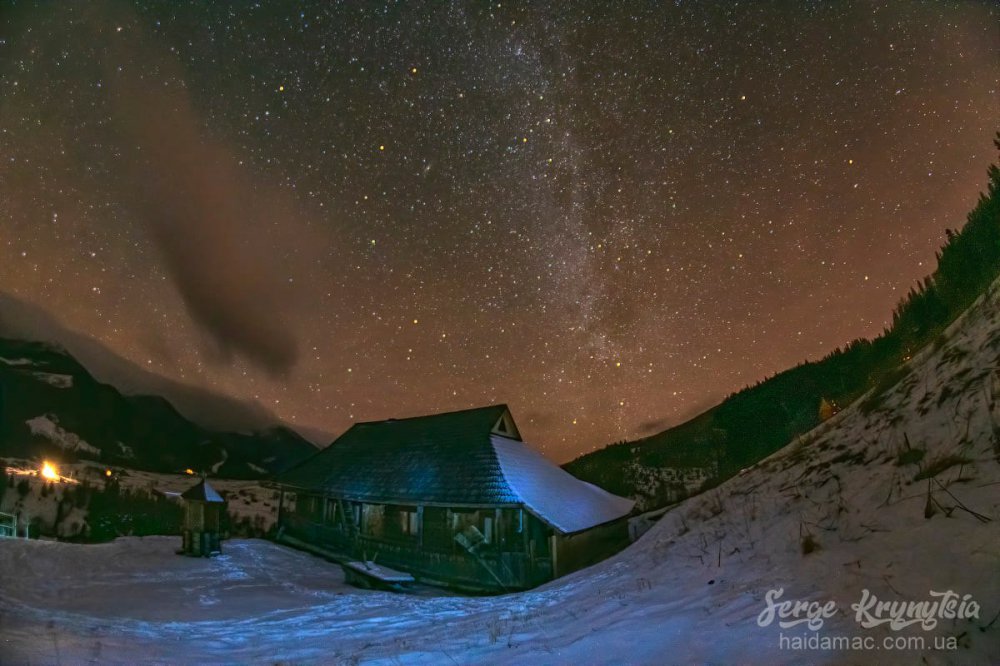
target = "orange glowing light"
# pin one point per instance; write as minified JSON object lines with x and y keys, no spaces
{"x":107,"y":472}
{"x":189,"y":471}
{"x":49,"y":472}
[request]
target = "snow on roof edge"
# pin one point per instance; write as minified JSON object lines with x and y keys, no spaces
{"x":554,"y":495}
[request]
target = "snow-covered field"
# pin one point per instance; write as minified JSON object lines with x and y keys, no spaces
{"x":898,"y":495}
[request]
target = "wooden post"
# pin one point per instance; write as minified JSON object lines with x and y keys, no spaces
{"x":554,"y":548}
{"x":526,"y":549}
{"x":343,"y":516}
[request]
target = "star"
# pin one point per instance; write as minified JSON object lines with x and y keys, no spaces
{"x":160,"y":199}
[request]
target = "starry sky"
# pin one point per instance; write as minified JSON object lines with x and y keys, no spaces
{"x":607,"y":215}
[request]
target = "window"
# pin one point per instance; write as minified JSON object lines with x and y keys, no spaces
{"x":373,"y":520}
{"x":488,"y":530}
{"x":310,"y":507}
{"x":409,"y":522}
{"x":414,"y":522}
{"x":505,"y":426}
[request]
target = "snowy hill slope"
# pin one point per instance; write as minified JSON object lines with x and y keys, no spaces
{"x":898,"y":495}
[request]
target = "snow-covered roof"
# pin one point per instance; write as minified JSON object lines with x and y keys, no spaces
{"x":472,"y":457}
{"x":202,"y":493}
{"x":553,"y":494}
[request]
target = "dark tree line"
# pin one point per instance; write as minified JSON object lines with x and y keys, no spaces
{"x":116,"y":511}
{"x":763,"y":418}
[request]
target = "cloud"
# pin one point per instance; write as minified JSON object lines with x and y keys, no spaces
{"x":215,"y":231}
{"x":23,"y":320}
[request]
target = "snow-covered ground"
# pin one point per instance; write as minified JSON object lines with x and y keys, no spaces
{"x":899,"y":495}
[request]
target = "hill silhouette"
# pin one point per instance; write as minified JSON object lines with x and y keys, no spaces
{"x":51,"y":406}
{"x":758,"y":420}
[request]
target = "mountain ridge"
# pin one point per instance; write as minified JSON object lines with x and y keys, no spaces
{"x":51,"y":405}
{"x":22,"y":320}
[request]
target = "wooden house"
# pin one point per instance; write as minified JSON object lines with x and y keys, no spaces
{"x":455,"y":498}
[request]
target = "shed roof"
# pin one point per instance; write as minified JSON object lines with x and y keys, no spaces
{"x":202,"y":493}
{"x":453,"y":459}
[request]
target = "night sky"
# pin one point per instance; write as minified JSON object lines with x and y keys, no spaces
{"x":607,"y":217}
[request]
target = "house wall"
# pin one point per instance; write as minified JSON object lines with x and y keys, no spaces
{"x":579,"y":550}
{"x":520,"y":551}
{"x":194,"y":516}
{"x":200,"y":533}
{"x":515,"y":553}
{"x":436,"y":530}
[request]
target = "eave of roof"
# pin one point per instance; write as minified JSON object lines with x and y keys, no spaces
{"x":552,"y":494}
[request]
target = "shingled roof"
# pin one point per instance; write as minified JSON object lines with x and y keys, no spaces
{"x":467,"y":458}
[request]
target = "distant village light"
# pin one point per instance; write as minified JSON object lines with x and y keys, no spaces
{"x":189,"y":471}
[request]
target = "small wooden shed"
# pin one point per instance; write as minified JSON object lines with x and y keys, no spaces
{"x":202,"y":529}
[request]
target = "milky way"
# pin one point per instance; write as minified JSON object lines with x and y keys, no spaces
{"x":607,"y":217}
